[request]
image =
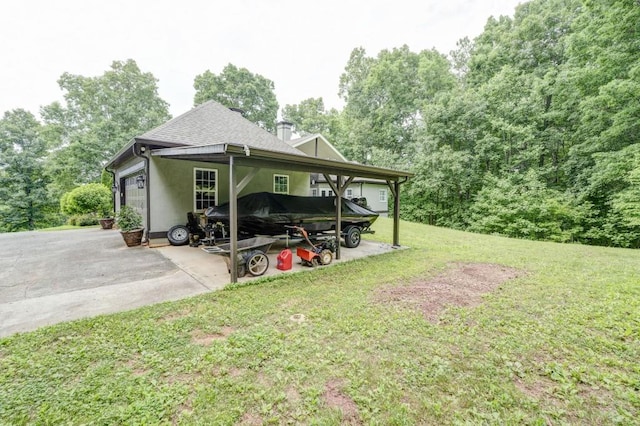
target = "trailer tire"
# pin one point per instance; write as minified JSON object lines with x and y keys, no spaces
{"x":178,"y":235}
{"x":352,"y":237}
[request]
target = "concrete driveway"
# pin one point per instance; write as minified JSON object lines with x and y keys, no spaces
{"x":50,"y":277}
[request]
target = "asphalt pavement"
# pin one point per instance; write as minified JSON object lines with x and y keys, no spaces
{"x":49,"y":277}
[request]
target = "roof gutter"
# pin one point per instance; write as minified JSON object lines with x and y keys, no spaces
{"x":251,"y":156}
{"x":346,"y":167}
{"x":144,"y":158}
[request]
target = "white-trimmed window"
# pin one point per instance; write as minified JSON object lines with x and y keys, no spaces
{"x":205,"y":188}
{"x":383,"y":195}
{"x":349,"y":193}
{"x":324,"y":193}
{"x":330,"y":193}
{"x":314,"y":192}
{"x":280,"y":184}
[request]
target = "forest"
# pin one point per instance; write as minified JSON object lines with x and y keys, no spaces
{"x":530,"y":130}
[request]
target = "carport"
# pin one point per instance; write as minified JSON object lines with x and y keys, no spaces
{"x":337,"y":173}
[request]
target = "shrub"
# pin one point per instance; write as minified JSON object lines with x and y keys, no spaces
{"x":92,"y":198}
{"x":523,"y":207}
{"x":128,"y":219}
{"x":87,"y":220}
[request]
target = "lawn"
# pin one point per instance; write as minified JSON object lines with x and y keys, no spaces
{"x":556,"y":343}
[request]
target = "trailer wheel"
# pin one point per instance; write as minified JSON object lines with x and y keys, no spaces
{"x":326,"y":256}
{"x":178,"y":235}
{"x":352,"y":237}
{"x":241,"y":271}
{"x":257,"y":264}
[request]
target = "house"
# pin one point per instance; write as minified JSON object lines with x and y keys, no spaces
{"x":211,"y":155}
{"x":164,"y":190}
{"x":374,"y":191}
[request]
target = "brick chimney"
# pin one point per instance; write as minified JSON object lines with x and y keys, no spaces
{"x":283,"y":130}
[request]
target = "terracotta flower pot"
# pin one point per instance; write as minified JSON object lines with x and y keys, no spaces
{"x":132,"y":238}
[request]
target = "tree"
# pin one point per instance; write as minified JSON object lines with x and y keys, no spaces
{"x":24,"y":201}
{"x":460,"y":57}
{"x":99,"y":116}
{"x":383,"y":98}
{"x":521,"y":206}
{"x":310,"y":117}
{"x":626,"y":203}
{"x":239,"y":88}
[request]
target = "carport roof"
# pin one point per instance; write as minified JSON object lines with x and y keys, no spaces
{"x":245,"y":155}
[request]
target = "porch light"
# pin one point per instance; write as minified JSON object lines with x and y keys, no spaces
{"x":140,"y":181}
{"x":114,"y":188}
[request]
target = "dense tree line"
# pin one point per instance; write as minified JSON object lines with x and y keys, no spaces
{"x":530,"y":130}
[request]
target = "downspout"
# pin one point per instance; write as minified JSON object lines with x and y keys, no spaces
{"x":113,"y":193}
{"x":146,"y":186}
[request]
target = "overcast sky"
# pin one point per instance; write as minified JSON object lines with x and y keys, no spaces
{"x":301,"y":46}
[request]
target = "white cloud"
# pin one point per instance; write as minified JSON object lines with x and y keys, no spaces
{"x":303,"y":47}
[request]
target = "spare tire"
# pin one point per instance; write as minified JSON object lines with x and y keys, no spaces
{"x":178,"y":235}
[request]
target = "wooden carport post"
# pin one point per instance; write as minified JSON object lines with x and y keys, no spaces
{"x":338,"y":188}
{"x":395,"y":190}
{"x":233,"y":222}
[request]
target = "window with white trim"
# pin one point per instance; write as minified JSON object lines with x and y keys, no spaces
{"x":205,"y":188}
{"x":314,"y":192}
{"x":280,"y":184}
{"x":383,"y":195}
{"x":349,"y":193}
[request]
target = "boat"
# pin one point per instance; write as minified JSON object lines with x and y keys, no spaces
{"x":265,"y":213}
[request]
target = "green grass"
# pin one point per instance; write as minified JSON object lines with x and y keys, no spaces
{"x":559,"y":345}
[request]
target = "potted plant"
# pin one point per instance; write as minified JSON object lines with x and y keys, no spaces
{"x":130,"y":223}
{"x":106,"y":222}
{"x":106,"y":219}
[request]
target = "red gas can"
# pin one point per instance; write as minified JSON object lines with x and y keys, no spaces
{"x":285,"y":259}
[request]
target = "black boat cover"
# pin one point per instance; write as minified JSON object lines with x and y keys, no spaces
{"x":268,"y":213}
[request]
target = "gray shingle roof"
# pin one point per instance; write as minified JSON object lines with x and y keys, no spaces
{"x":212,"y":123}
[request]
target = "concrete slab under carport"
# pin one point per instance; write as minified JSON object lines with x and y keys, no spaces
{"x":211,"y":269}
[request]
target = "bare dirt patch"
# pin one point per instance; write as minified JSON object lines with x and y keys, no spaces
{"x":538,"y":390}
{"x":185,"y":408}
{"x":135,"y":365}
{"x":176,"y":315}
{"x":250,"y":419}
{"x":292,"y":394}
{"x":205,"y":339}
{"x":462,"y":285}
{"x":335,"y":398}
